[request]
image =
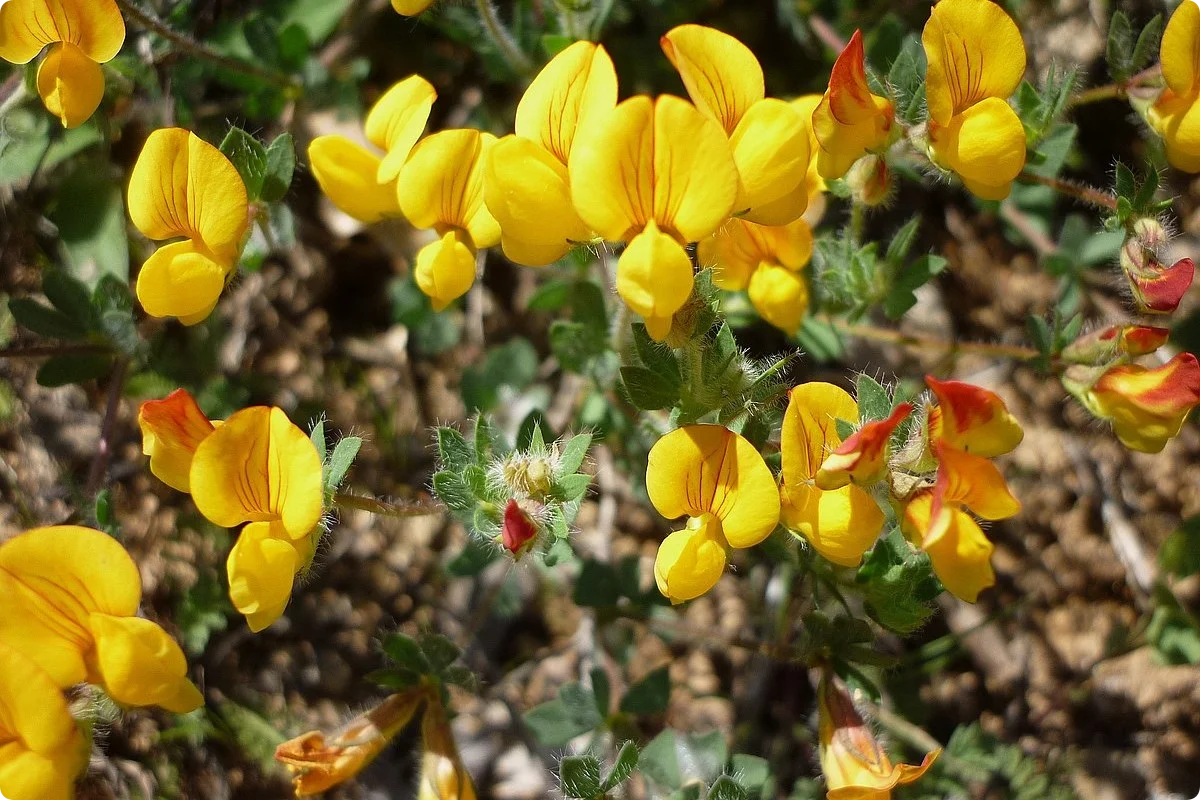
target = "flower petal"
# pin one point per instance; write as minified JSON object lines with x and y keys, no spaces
{"x":1147,"y":406}
{"x":445,"y":269}
{"x":974,"y":482}
{"x":780,"y":296}
{"x":348,"y":175}
{"x":810,"y":428}
{"x":612,"y":170}
{"x":1178,"y":51}
{"x":960,"y":553}
{"x":576,"y":87}
{"x":410,"y":8}
{"x":262,"y":568}
{"x":689,"y":563}
{"x":442,"y":185}
{"x":721,"y":75}
{"x":841,"y":524}
{"x":695,"y":177}
{"x":654,"y":274}
{"x":94,"y":26}
{"x":985,"y":145}
{"x":396,"y":122}
{"x":181,"y":280}
{"x":972,"y":419}
{"x":172,"y":429}
{"x":849,"y":120}
{"x":974,"y":51}
{"x":140,"y":665}
{"x":70,"y":84}
{"x":862,"y":457}
{"x":771,"y":151}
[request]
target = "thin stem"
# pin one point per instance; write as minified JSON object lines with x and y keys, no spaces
{"x":1084,"y":194}
{"x":826,"y":33}
{"x":14,"y":99}
{"x":919,"y":342}
{"x":1115,"y":91}
{"x":50,"y":350}
{"x":181,"y":41}
{"x":99,"y":467}
{"x":385,"y":509}
{"x":503,"y":39}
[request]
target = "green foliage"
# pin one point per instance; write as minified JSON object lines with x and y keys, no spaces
{"x":898,"y":584}
{"x":1180,"y":553}
{"x":1126,"y":53}
{"x":573,"y":713}
{"x":430,"y":658}
{"x":673,"y":759}
{"x":975,"y":758}
{"x":650,"y":695}
{"x":513,"y":364}
{"x":580,"y":776}
{"x":906,"y":77}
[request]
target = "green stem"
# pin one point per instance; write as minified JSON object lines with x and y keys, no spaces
{"x":503,"y":39}
{"x":1084,"y":194}
{"x":918,"y":342}
{"x":14,"y":99}
{"x":384,"y":509}
{"x":1115,"y":91}
{"x":147,"y":20}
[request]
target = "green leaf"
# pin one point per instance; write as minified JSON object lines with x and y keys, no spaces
{"x":406,"y":653}
{"x":656,"y":356}
{"x":907,"y":80}
{"x":1147,"y":44}
{"x":45,"y":321}
{"x":754,"y":774}
{"x":89,"y":213}
{"x":1126,"y":183}
{"x":572,"y":487}
{"x":659,"y":761}
{"x":902,"y":296}
{"x":726,"y":788}
{"x":649,"y":390}
{"x":460,"y":675}
{"x":569,"y":715}
{"x":317,"y":437}
{"x":69,"y":296}
{"x":280,"y":168}
{"x":626,"y":763}
{"x":439,"y":651}
{"x":706,"y":753}
{"x":650,"y":695}
{"x":247,"y":154}
{"x":67,"y":369}
{"x":473,"y":558}
{"x":342,"y":459}
{"x":1119,"y":51}
{"x":574,"y":452}
{"x":874,"y":402}
{"x":602,"y":689}
{"x":579,"y":777}
{"x":598,"y":585}
{"x":551,"y":296}
{"x":902,"y":242}
{"x":454,"y":453}
{"x":1180,"y":553}
{"x":820,"y":340}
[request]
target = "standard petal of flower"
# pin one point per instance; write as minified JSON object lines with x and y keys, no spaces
{"x":140,"y":665}
{"x":771,"y":151}
{"x":985,"y":145}
{"x":43,"y":750}
{"x":972,"y":419}
{"x":94,"y":26}
{"x":442,"y":185}
{"x":849,"y":120}
{"x":348,"y":175}
{"x":295,"y":474}
{"x":445,"y":269}
{"x":654,"y":275}
{"x":862,"y":457}
{"x":1147,"y":406}
{"x":974,"y":51}
{"x":396,"y":122}
{"x":612,"y":170}
{"x":689,"y":563}
{"x":575,"y":88}
{"x":810,"y":428}
{"x":960,"y":553}
{"x":721,"y":75}
{"x":172,"y":429}
{"x":262,"y":567}
{"x":695,"y":177}
{"x":1161,"y":290}
{"x":181,"y":280}
{"x":51,"y":580}
{"x":1178,"y":51}
{"x":183,"y":186}
{"x":70,"y":84}
{"x":780,"y":296}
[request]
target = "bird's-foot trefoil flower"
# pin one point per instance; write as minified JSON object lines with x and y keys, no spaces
{"x":976,"y":61}
{"x":42,"y":750}
{"x":842,"y":523}
{"x":172,"y":429}
{"x":718,"y":480}
{"x":768,"y":136}
{"x":1115,"y":342}
{"x":1146,"y":406}
{"x":411,"y":8}
{"x":863,"y":457}
{"x":184,"y":188}
{"x":82,"y":35}
{"x":855,"y":765}
{"x":526,"y":181}
{"x":972,"y":419}
{"x":658,"y":175}
{"x":936,"y":519}
{"x":441,"y":188}
{"x":69,"y":600}
{"x":443,"y":776}
{"x":767,"y":262}
{"x":850,"y":121}
{"x":1175,"y":116}
{"x":362,"y":183}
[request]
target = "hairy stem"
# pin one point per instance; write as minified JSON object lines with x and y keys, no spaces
{"x":418,"y":508}
{"x":918,"y":342}
{"x":503,"y":39}
{"x":1084,"y":194}
{"x":1115,"y":91}
{"x":99,"y":466}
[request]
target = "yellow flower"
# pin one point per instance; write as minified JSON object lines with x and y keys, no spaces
{"x":936,"y":519}
{"x":768,"y":136}
{"x":441,"y":187}
{"x":855,"y":765}
{"x":976,"y":61}
{"x":841,"y":523}
{"x":718,"y":481}
{"x":443,"y":776}
{"x":850,"y":121}
{"x":656,"y":174}
{"x":69,"y":598}
{"x":410,"y":8}
{"x":172,"y":429}
{"x":184,"y":188}
{"x":1176,"y":115}
{"x":83,"y":34}
{"x":526,"y":183}
{"x":42,"y":750}
{"x":768,"y":261}
{"x":319,"y":764}
{"x":972,"y":419}
{"x":259,"y":468}
{"x":359,"y":182}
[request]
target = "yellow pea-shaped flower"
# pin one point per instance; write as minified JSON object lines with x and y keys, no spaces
{"x":850,"y":121}
{"x":172,"y":429}
{"x":1176,"y":113}
{"x":766,"y":261}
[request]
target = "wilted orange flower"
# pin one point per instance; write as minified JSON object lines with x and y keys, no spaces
{"x":972,"y":419}
{"x":1147,"y":407}
{"x":443,"y":776}
{"x":850,"y":121}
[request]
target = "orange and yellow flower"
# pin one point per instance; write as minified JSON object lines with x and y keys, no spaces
{"x":1115,"y":341}
{"x":972,"y":419}
{"x":863,"y":457}
{"x":1146,"y":406}
{"x":850,"y":121}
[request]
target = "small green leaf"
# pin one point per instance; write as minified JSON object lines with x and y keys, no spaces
{"x":1120,"y":46}
{"x":89,"y":213}
{"x":874,"y":402}
{"x":279,"y":169}
{"x":439,"y":651}
{"x":649,"y":390}
{"x":650,"y":695}
{"x":1147,"y":44}
{"x":602,"y":689}
{"x":460,"y":675}
{"x":342,"y":459}
{"x":248,"y":156}
{"x":845,"y":429}
{"x":902,"y":242}
{"x":454,"y":453}
{"x":69,"y":296}
{"x":473,"y":559}
{"x":67,"y":369}
{"x":580,"y":777}
{"x":569,"y":715}
{"x":659,"y":761}
{"x":406,"y":652}
{"x":754,"y":774}
{"x":656,"y":356}
{"x":45,"y":321}
{"x":572,"y":487}
{"x":1180,"y":553}
{"x":574,"y":452}
{"x":902,"y":295}
{"x":598,"y":585}
{"x":726,"y":788}
{"x":317,"y":437}
{"x":626,"y":763}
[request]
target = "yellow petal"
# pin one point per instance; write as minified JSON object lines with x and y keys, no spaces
{"x":1177,"y":119}
{"x":985,"y":145}
{"x":441,"y":185}
{"x":445,"y":269}
{"x":43,"y":750}
{"x":841,"y":524}
{"x":771,"y":150}
{"x":183,"y":186}
{"x":257,"y":467}
{"x":1179,"y":49}
{"x":972,"y":481}
{"x":180,"y":280}
{"x":863,"y":456}
{"x":721,"y":74}
{"x":396,"y":122}
{"x":347,"y":174}
{"x":709,"y":469}
{"x":576,"y":87}
{"x":612,"y":170}
{"x":94,"y":26}
{"x":526,"y":190}
{"x":810,"y":428}
{"x":140,"y":665}
{"x":262,"y":568}
{"x":974,"y":51}
{"x":689,"y":563}
{"x":51,"y":580}
{"x":172,"y":429}
{"x":780,"y":296}
{"x":961,"y":554}
{"x":739,"y":247}
{"x":410,"y":8}
{"x":695,"y":176}
{"x":443,"y":776}
{"x":654,"y":274}
{"x":70,"y":84}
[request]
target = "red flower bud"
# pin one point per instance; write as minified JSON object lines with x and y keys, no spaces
{"x":519,"y":529}
{"x":1115,"y":341}
{"x":1158,"y":289}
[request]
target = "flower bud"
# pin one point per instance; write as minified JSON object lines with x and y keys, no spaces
{"x":1147,"y":407}
{"x":518,"y":531}
{"x":1150,"y":233}
{"x":870,"y":181}
{"x":862,"y":457}
{"x":529,"y":475}
{"x":1115,"y":341}
{"x":1159,"y":289}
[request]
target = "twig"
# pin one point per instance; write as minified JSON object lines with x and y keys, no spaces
{"x":1085,"y":194}
{"x":503,"y":39}
{"x":919,"y":342}
{"x":385,"y":509}
{"x":99,"y":467}
{"x":1040,"y":242}
{"x":187,"y":44}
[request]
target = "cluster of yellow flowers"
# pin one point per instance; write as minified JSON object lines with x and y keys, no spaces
{"x":256,"y":468}
{"x":830,"y":489}
{"x":69,"y":599}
